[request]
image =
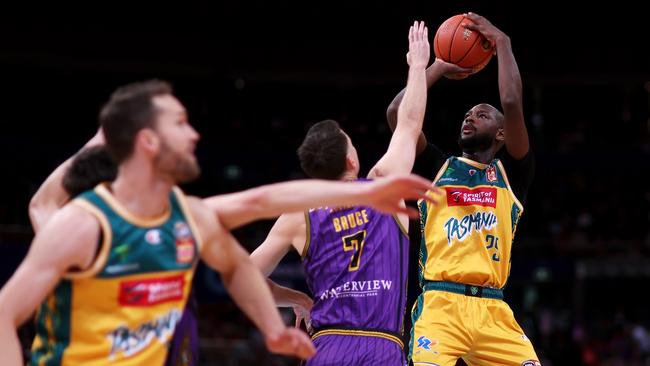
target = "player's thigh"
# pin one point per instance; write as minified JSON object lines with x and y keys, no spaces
{"x":500,"y":340}
{"x":439,"y":336}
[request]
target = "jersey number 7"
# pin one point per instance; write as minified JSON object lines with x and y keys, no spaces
{"x":354,"y":242}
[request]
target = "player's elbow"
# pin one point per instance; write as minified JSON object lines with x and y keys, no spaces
{"x":511,"y":101}
{"x":38,"y":212}
{"x":258,"y":203}
{"x":35,"y":205}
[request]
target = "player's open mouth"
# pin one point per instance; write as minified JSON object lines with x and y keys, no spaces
{"x":467,"y":129}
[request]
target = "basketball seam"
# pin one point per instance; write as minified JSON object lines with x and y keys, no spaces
{"x":451,"y":43}
{"x":470,"y":48}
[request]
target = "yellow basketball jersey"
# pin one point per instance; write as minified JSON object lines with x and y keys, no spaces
{"x":467,"y":235}
{"x":123,"y":310}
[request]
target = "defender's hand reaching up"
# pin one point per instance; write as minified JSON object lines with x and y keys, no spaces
{"x":419,"y":48}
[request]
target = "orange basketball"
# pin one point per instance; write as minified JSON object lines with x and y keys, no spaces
{"x":461,"y":46}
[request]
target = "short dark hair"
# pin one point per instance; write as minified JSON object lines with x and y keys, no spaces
{"x":89,"y":167}
{"x":323,"y":151}
{"x":129,"y":110}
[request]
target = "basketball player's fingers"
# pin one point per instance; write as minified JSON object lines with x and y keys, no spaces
{"x":306,"y":351}
{"x":433,"y":199}
{"x":302,"y":345}
{"x":474,"y":17}
{"x":436,"y":191}
{"x":411,"y":35}
{"x":419,"y":183}
{"x":472,"y":26}
{"x":299,"y":319}
{"x":421,"y":32}
{"x":410,"y":211}
{"x":432,"y":194}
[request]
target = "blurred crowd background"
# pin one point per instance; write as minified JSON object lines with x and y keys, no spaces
{"x":255,"y":75}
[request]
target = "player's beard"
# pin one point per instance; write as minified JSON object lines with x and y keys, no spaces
{"x":181,"y":169}
{"x":476,"y":143}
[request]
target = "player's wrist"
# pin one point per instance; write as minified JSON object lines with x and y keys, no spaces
{"x":418,"y":67}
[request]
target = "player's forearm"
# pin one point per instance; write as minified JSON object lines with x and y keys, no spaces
{"x":510,"y":89}
{"x":410,"y":114}
{"x":275,"y":199}
{"x":250,"y":291}
{"x":433,"y":74}
{"x":286,"y":297}
{"x":299,"y":195}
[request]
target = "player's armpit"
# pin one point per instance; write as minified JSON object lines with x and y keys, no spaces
{"x":287,"y":230}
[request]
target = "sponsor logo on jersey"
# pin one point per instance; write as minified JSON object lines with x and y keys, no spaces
{"x":357,"y":289}
{"x":122,"y":251}
{"x":152,"y":237}
{"x":447,"y":179}
{"x":184,"y":242}
{"x":486,"y":197}
{"x":424,"y":342}
{"x":466,"y":34}
{"x":128,"y":342}
{"x":491,"y":173}
{"x":472,"y":172}
{"x":151,"y":291}
{"x":459,"y":229}
{"x":426,"y":345}
{"x":121,"y":268}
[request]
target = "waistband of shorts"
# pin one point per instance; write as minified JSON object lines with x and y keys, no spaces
{"x":394,"y":337}
{"x":463,"y":289}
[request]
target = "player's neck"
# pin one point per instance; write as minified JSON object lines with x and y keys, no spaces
{"x":141,"y":191}
{"x":484,"y":157}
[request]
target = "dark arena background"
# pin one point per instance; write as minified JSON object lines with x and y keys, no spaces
{"x":255,"y":75}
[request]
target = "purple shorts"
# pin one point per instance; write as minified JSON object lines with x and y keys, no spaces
{"x":352,"y":350}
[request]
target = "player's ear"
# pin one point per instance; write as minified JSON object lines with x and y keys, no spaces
{"x":351,"y":164}
{"x":501,"y":134}
{"x":148,"y":140}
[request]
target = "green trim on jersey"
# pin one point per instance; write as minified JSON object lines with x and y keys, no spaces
{"x":54,"y":312}
{"x":478,"y":178}
{"x":127,"y":255}
{"x":423,"y":244}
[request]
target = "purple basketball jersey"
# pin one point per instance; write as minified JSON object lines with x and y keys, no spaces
{"x":356,"y":267}
{"x":184,"y":346}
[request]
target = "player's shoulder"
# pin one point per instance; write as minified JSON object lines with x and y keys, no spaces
{"x":74,"y":227}
{"x":78,"y":212}
{"x":199,"y":210}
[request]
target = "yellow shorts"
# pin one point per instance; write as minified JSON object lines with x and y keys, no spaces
{"x":481,"y":331}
